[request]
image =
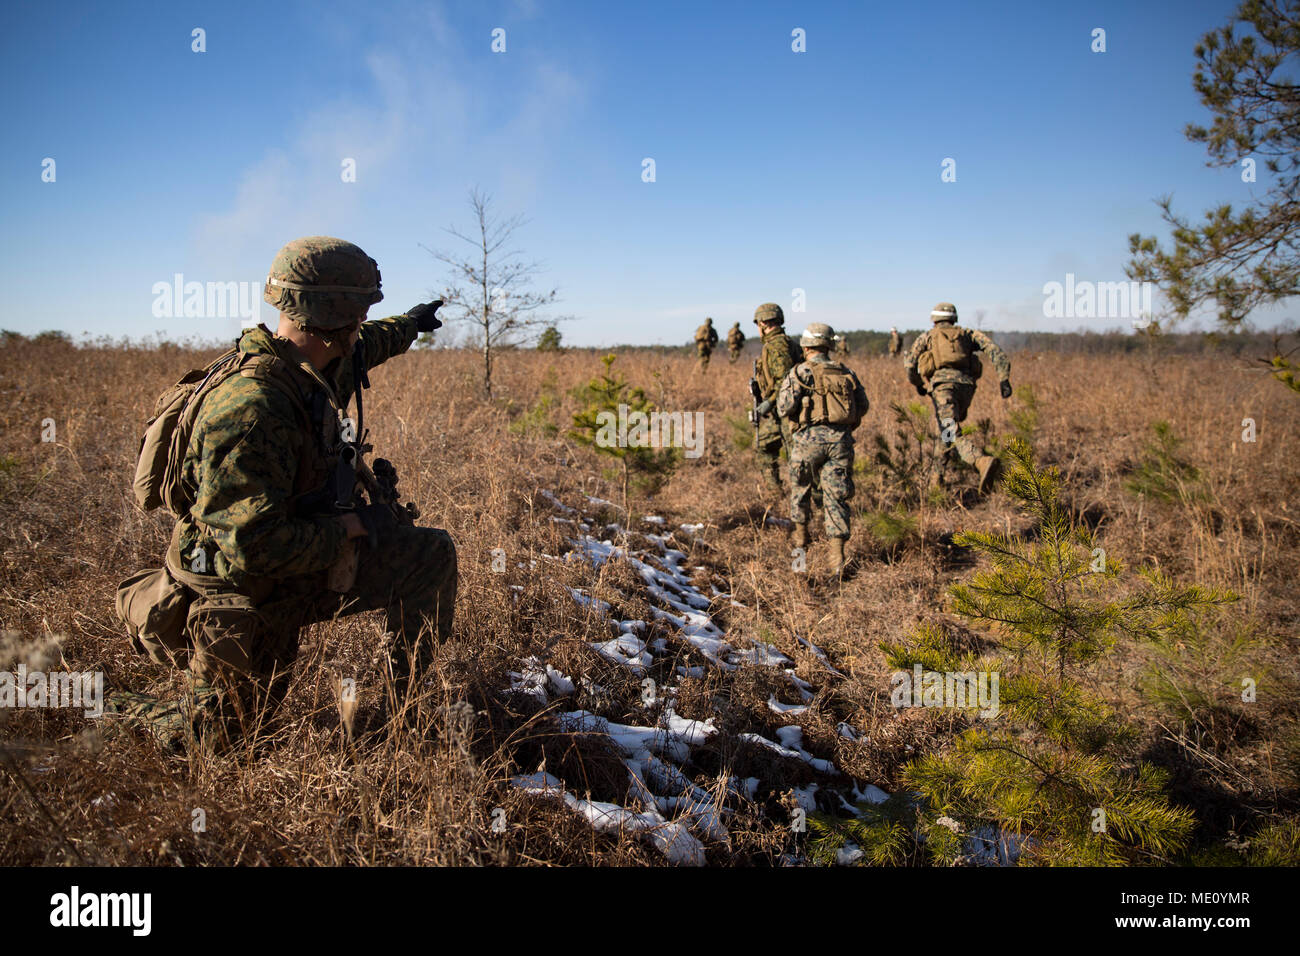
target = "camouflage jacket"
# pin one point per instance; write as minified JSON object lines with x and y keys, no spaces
{"x":780,"y":354}
{"x":794,"y":390}
{"x":735,"y":338}
{"x":706,"y":335}
{"x":979,"y":342}
{"x":252,"y":455}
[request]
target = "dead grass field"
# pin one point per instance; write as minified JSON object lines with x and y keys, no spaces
{"x":69,"y":532}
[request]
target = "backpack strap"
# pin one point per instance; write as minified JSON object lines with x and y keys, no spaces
{"x":275,"y":372}
{"x":806,"y":379}
{"x":284,"y":377}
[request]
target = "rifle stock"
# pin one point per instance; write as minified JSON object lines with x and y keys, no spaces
{"x":755,"y":395}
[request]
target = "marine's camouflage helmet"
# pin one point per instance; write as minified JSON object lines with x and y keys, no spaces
{"x":943,"y":312}
{"x":818,"y":335}
{"x":769,"y":312}
{"x":322,"y":283}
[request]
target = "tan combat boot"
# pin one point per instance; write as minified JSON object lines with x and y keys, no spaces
{"x":772,"y":480}
{"x":799,"y":539}
{"x":837,"y":555}
{"x":990,"y":468}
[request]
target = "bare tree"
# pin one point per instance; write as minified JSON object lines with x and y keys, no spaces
{"x":490,"y":288}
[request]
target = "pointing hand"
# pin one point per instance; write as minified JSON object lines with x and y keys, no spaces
{"x":425,"y":315}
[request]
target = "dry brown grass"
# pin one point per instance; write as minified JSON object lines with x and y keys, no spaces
{"x":69,"y":532}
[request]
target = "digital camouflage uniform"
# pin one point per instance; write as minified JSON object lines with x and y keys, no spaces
{"x":706,"y":338}
{"x":258,"y":559}
{"x":735,"y":342}
{"x":780,"y":354}
{"x":951,"y":389}
{"x":820,"y":452}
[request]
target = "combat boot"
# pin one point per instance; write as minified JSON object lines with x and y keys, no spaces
{"x":173,"y":724}
{"x":990,"y":468}
{"x":772,"y":482}
{"x":163,"y":720}
{"x":799,"y":538}
{"x":837,"y":555}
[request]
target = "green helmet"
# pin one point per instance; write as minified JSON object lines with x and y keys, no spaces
{"x":322,"y":283}
{"x":818,"y":335}
{"x":769,"y":312}
{"x":943,"y":312}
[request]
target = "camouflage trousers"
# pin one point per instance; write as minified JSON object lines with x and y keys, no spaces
{"x":822,"y":459}
{"x":733,"y":355}
{"x":705,"y":352}
{"x":951,"y":402}
{"x":243,"y":646}
{"x":772,"y":435}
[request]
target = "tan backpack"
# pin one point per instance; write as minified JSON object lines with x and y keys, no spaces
{"x":830,"y":397}
{"x":948,"y":347}
{"x":167,"y":434}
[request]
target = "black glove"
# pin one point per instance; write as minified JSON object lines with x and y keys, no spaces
{"x":378,"y":519}
{"x":425,"y":315}
{"x":1006,"y":388}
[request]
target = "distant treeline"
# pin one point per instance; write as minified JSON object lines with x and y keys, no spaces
{"x":867,"y":343}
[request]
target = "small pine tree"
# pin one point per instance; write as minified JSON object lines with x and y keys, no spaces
{"x":1194,"y":677}
{"x":643,"y":466}
{"x":1024,"y":415}
{"x":549,"y":340}
{"x":1276,"y":845}
{"x":1060,"y":770}
{"x":1054,"y":767}
{"x":1163,"y":474}
{"x":905,"y":461}
{"x":537,"y":419}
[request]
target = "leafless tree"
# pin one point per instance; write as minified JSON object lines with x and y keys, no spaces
{"x":490,"y":289}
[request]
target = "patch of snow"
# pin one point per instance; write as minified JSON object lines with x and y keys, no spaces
{"x":626,"y":650}
{"x":779,"y":708}
{"x":559,"y":505}
{"x":673,"y":840}
{"x":825,"y":766}
{"x":848,"y":855}
{"x":869,"y":794}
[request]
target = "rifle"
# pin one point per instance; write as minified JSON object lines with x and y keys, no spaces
{"x":756,"y":395}
{"x":352,"y":476}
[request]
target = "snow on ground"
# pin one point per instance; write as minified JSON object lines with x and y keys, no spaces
{"x":671,"y":839}
{"x":670,"y":809}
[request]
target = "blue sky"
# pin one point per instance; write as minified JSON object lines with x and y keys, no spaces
{"x":775,"y":170}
